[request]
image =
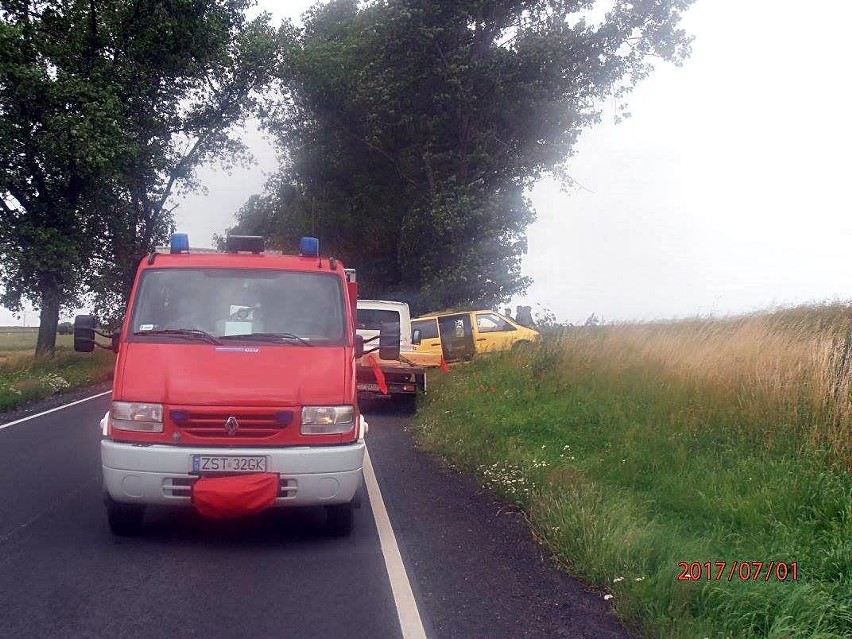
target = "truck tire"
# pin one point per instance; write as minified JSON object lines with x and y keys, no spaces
{"x":125,"y":520}
{"x":408,"y":403}
{"x":340,"y":519}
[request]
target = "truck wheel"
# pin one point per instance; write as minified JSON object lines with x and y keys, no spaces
{"x":125,"y":520}
{"x":408,"y":402}
{"x":340,"y":519}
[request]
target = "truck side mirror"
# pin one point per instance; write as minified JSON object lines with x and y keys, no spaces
{"x":359,"y":346}
{"x":115,"y":337}
{"x":84,"y":333}
{"x":416,"y":337}
{"x":389,"y":340}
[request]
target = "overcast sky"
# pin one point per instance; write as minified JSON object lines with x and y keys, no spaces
{"x":724,"y":192}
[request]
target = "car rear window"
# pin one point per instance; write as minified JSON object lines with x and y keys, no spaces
{"x":371,"y":319}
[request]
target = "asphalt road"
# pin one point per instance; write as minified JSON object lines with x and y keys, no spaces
{"x":472,"y":565}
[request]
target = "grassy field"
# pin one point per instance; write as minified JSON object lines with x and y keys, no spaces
{"x":18,"y":339}
{"x":25,"y":378}
{"x":635,"y":448}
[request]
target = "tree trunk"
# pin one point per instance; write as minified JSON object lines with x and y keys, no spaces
{"x":48,"y":317}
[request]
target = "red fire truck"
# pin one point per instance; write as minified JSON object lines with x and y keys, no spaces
{"x":235,"y":385}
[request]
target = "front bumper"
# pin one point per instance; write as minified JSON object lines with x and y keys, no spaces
{"x":161,"y":474}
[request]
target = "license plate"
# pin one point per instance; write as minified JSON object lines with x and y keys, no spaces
{"x":369,"y":387}
{"x":228,"y":464}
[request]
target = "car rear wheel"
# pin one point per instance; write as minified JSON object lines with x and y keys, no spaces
{"x":125,"y":520}
{"x":340,"y":519}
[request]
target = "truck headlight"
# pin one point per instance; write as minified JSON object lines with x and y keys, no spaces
{"x":137,"y":416}
{"x":327,"y":420}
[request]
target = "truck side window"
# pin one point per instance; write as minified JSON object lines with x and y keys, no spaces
{"x":492,"y":323}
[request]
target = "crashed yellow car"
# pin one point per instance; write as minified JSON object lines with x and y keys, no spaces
{"x":459,"y":335}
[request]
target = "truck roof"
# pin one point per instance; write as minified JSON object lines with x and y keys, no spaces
{"x":218,"y":259}
{"x":381,"y":304}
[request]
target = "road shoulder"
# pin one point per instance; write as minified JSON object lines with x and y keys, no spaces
{"x":473,"y":562}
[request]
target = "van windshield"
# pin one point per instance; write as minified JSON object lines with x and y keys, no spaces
{"x":290,"y":307}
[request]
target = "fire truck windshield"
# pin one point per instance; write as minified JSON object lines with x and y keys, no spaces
{"x":251,"y":305}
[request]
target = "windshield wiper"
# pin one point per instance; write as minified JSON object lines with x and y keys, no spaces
{"x":269,"y":337}
{"x":192,"y":333}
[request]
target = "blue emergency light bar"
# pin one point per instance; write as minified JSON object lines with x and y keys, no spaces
{"x":180,"y":243}
{"x":309,"y":247}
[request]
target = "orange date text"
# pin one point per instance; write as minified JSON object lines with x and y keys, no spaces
{"x":738,"y":570}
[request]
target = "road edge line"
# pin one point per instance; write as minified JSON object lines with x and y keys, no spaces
{"x":53,"y":410}
{"x":406,"y":606}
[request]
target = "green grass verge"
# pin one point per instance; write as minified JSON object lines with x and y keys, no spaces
{"x":625,"y":472}
{"x":24,"y":378}
{"x":18,"y":339}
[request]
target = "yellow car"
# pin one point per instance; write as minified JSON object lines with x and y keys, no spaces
{"x":461,"y":334}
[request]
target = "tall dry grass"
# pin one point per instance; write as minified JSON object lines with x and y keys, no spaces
{"x":788,"y":372}
{"x":634,"y":448}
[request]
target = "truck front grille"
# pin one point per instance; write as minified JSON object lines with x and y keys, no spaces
{"x":181,"y":487}
{"x":245,"y":425}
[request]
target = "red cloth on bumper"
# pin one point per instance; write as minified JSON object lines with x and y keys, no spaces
{"x":225,"y":497}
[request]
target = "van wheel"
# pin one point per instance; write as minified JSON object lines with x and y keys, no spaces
{"x":521,"y":345}
{"x":340,"y":519}
{"x":125,"y":520}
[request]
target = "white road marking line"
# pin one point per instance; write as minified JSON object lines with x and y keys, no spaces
{"x":53,"y":410}
{"x":52,"y":507}
{"x":406,"y":606}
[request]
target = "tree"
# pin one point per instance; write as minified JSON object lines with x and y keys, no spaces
{"x":55,"y":142}
{"x":182,"y":102}
{"x":104,"y":107}
{"x":414,"y":129}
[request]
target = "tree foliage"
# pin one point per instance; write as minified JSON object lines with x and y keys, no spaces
{"x":181,"y":102}
{"x":413,"y":130}
{"x":104,"y":107}
{"x":56,"y":141}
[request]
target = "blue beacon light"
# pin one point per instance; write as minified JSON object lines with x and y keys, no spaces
{"x":180,"y":243}
{"x":309,"y":247}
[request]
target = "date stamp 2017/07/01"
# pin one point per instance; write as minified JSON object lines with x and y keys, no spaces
{"x":739,"y":570}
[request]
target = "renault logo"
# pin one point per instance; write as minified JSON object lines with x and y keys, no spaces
{"x":232,"y":425}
